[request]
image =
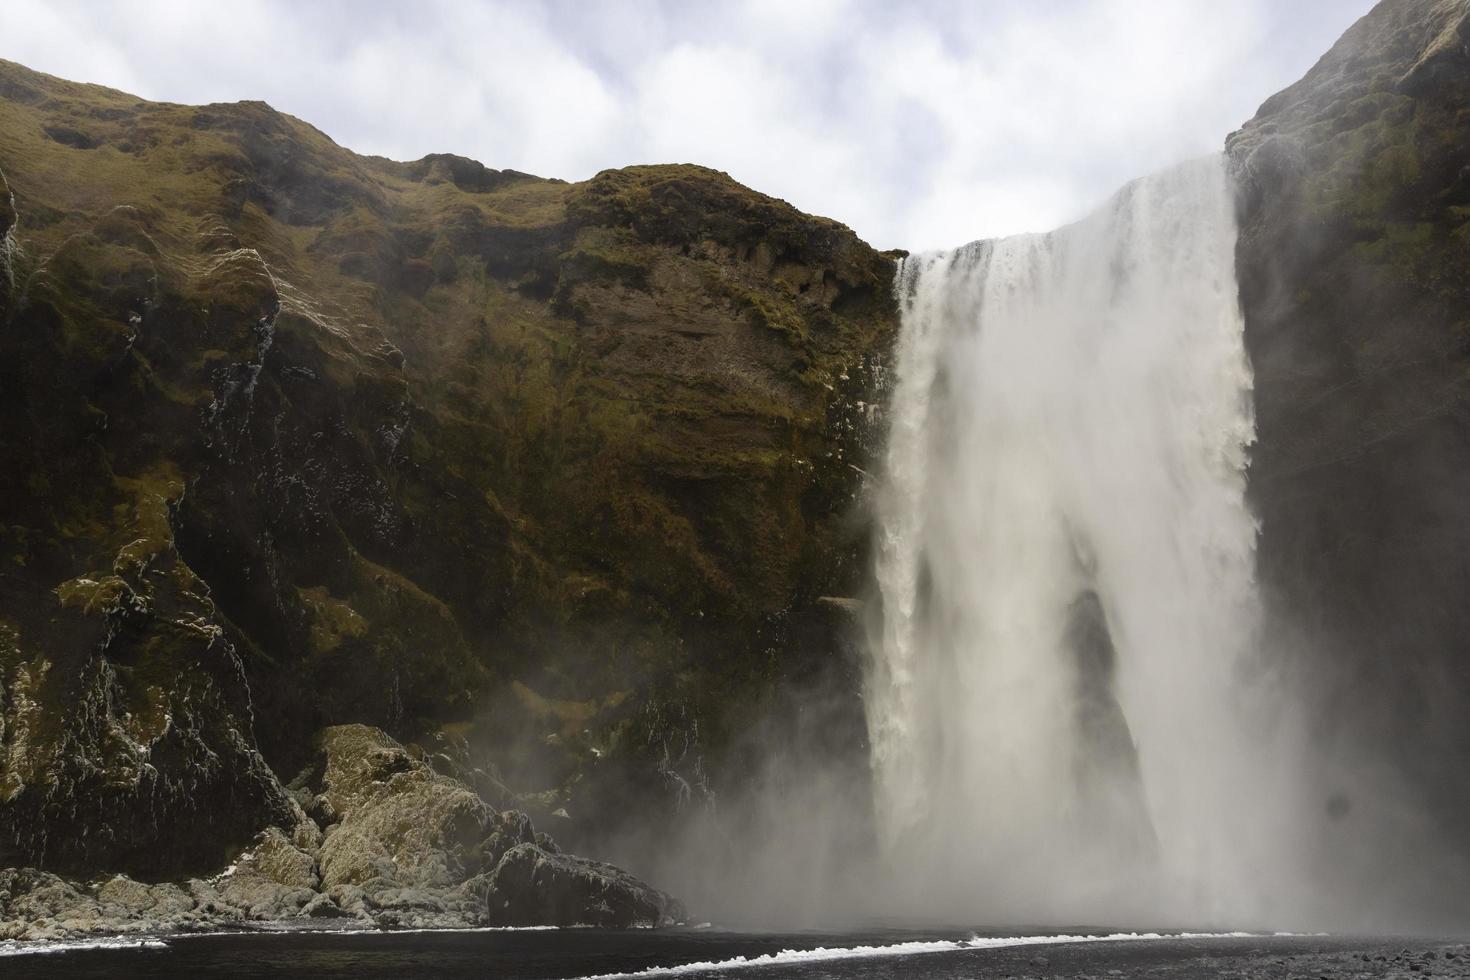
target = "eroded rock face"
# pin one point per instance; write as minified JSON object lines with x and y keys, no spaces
{"x":1353,"y":259}
{"x":127,"y":738}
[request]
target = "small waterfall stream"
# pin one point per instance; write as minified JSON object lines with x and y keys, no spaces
{"x":1060,"y":699}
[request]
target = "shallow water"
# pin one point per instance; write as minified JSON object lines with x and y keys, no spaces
{"x":683,"y":953}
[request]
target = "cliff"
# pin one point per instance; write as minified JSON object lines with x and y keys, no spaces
{"x":1354,"y":267}
{"x":518,"y":469}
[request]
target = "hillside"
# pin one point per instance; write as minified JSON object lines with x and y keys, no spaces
{"x":513,"y":468}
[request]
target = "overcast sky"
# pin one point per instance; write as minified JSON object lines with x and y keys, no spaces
{"x":921,"y":125}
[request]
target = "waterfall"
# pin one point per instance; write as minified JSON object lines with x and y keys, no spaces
{"x":1061,"y":698}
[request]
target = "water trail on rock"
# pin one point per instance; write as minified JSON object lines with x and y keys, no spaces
{"x":1067,"y":714}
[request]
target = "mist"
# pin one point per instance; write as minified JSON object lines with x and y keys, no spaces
{"x":1081,"y":705}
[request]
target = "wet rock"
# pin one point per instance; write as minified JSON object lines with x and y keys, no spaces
{"x":256,"y":897}
{"x":323,"y":907}
{"x":398,"y":819}
{"x":277,"y":859}
{"x":1351,"y":260}
{"x":39,"y":905}
{"x":532,"y":887}
{"x":507,"y":829}
{"x":125,"y":898}
{"x":405,"y":839}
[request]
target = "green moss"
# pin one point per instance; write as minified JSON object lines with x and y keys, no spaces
{"x":509,"y":429}
{"x":333,"y":620}
{"x":1397,"y":243}
{"x":91,"y":596}
{"x":607,"y":254}
{"x":143,"y":518}
{"x":1367,"y":166}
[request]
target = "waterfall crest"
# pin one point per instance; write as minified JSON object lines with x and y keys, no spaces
{"x":1059,"y":698}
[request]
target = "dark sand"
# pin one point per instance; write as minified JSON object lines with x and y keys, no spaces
{"x":579,"y":953}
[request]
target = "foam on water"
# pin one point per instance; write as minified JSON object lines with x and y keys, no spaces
{"x":16,"y":947}
{"x":891,"y":950}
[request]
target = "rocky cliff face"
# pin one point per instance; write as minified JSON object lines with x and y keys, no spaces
{"x":521,"y":469}
{"x":1354,"y":261}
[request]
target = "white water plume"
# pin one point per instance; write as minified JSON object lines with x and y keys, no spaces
{"x":1065,"y":705}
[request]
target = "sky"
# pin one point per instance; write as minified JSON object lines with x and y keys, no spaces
{"x":920,"y":125}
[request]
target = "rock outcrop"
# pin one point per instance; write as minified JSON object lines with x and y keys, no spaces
{"x":534,"y":885}
{"x":402,"y":847}
{"x":391,"y":817}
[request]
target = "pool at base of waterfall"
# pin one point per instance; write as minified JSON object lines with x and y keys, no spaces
{"x":709,"y":952}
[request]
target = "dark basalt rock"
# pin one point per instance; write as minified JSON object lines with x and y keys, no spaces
{"x":125,"y":738}
{"x":531,"y":886}
{"x":1354,"y":266}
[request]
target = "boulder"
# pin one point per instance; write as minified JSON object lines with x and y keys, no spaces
{"x":531,"y":886}
{"x":277,"y":859}
{"x":405,"y":847}
{"x":395,"y":818}
{"x":38,"y":905}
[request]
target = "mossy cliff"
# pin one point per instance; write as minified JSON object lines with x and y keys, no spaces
{"x":524,"y":470}
{"x":1354,"y":264}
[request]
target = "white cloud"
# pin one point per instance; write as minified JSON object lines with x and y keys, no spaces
{"x":920,"y":125}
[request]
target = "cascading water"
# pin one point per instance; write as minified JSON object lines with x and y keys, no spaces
{"x":1060,"y":700}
